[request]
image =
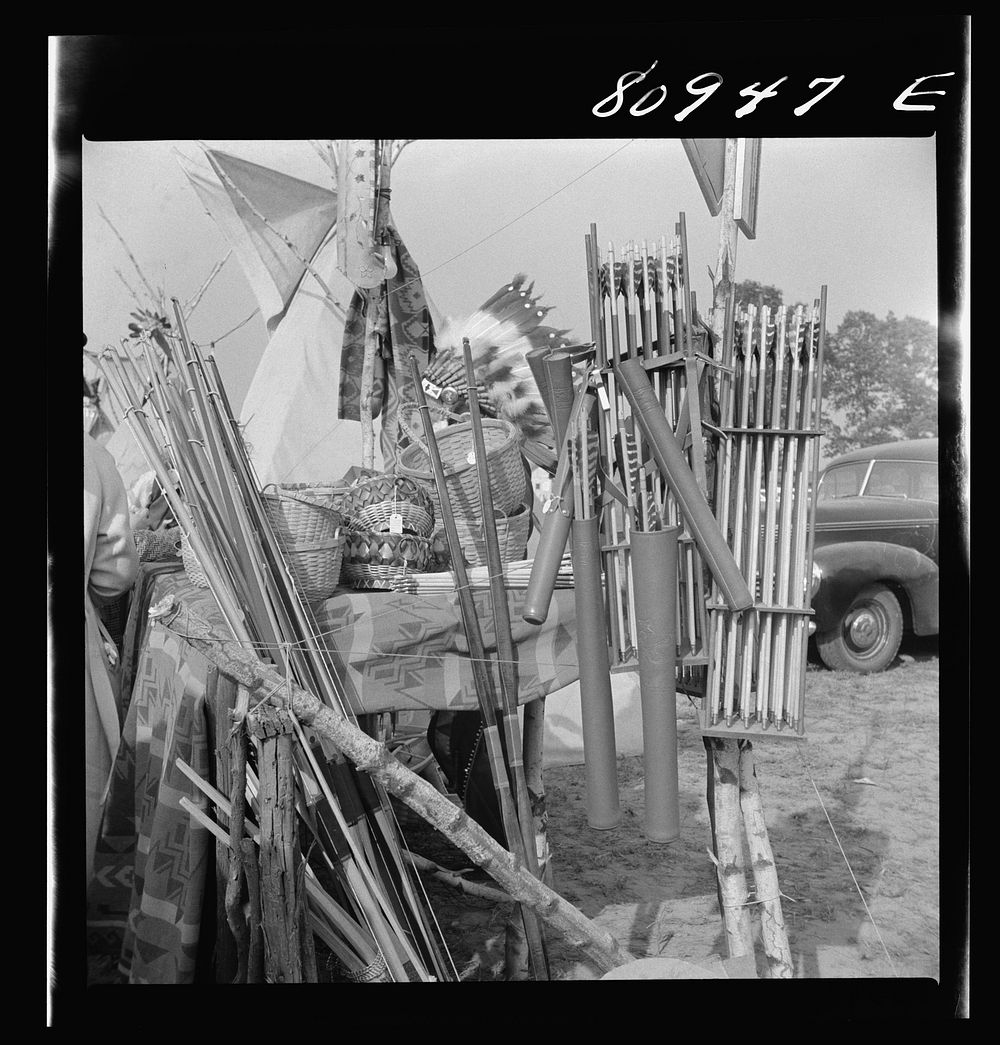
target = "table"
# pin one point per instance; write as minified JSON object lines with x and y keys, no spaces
{"x":154,"y":868}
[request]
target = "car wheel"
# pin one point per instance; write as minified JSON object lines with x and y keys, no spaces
{"x":867,"y":636}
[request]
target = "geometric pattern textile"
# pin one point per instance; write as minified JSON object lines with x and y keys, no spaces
{"x":401,"y":652}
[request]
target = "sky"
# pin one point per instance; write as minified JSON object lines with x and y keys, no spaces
{"x":855,"y":214}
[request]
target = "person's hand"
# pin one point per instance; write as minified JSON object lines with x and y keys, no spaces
{"x":150,"y":518}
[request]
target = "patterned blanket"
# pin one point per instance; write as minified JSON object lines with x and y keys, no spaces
{"x":154,"y":866}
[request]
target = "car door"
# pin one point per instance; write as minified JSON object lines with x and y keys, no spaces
{"x":901,"y":498}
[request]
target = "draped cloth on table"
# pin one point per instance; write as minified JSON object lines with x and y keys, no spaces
{"x":403,"y":325}
{"x":146,"y":905}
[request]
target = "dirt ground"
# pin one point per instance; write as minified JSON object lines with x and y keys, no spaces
{"x":852,"y":815}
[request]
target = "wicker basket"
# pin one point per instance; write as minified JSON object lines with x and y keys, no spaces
{"x":371,"y":558}
{"x":316,"y":568}
{"x":300,"y":517}
{"x":327,"y":495}
{"x":310,"y":537}
{"x":157,"y":545}
{"x":512,"y":535}
{"x":370,"y":503}
{"x":195,"y":574}
{"x":508,"y":475}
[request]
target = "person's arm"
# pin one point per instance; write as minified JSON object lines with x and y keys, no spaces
{"x":116,"y":561}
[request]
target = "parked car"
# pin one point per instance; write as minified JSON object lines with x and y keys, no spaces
{"x":876,"y":553}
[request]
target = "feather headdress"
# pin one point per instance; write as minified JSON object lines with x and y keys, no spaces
{"x":501,"y":332}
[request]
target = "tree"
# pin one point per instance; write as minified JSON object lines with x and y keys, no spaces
{"x":750,"y":292}
{"x":880,"y":377}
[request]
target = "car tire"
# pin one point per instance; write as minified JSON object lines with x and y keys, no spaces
{"x":867,"y":636}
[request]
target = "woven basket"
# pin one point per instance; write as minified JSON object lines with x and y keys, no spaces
{"x":327,"y":495}
{"x":195,"y":574}
{"x":370,"y":558}
{"x":512,"y":536}
{"x":316,"y":568}
{"x":508,"y":476}
{"x":310,"y":537}
{"x":157,"y":545}
{"x":300,"y":517}
{"x":370,"y":503}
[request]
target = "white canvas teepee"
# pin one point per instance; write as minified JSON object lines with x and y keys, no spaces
{"x":290,"y":410}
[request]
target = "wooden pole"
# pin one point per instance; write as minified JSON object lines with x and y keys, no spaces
{"x":485,"y":689}
{"x":234,"y":884}
{"x":506,"y":655}
{"x":279,"y":851}
{"x":773,"y":934}
{"x":731,"y":865}
{"x":263,"y":682}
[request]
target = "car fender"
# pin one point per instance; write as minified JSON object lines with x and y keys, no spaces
{"x":849,"y":567}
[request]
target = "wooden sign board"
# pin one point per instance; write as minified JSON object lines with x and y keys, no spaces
{"x":747,"y":185}
{"x":708,"y":160}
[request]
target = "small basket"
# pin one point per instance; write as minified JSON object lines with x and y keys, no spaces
{"x":156,"y":545}
{"x":508,"y":475}
{"x":370,"y":504}
{"x":316,"y":568}
{"x":195,"y":574}
{"x":512,"y":536}
{"x":371,"y":559}
{"x":300,"y":517}
{"x":309,"y":534}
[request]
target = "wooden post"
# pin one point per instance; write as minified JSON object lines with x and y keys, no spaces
{"x":730,"y":865}
{"x":772,"y":923}
{"x":725,"y":269}
{"x":733,"y":789}
{"x":234,"y":880}
{"x":255,"y":960}
{"x":279,"y":855}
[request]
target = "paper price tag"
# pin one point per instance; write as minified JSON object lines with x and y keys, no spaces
{"x":602,"y":395}
{"x":471,"y":457}
{"x":434,"y":391}
{"x":395,"y":523}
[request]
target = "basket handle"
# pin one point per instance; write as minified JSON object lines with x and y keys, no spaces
{"x":281,"y":495}
{"x":411,"y":434}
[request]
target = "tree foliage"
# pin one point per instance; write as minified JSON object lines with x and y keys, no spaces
{"x":750,"y":292}
{"x":879,"y":375}
{"x":880,"y":380}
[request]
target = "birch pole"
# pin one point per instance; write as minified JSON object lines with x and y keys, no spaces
{"x":735,"y":797}
{"x":772,"y":923}
{"x":723,"y":753}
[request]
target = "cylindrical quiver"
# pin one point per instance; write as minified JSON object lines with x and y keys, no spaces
{"x":558,"y":369}
{"x":654,"y":561}
{"x":597,"y":708}
{"x":669,"y":456}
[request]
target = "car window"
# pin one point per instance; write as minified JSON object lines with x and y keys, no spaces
{"x":925,"y":483}
{"x":843,"y":480}
{"x":903,"y":479}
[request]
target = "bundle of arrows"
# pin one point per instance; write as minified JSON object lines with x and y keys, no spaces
{"x":765,"y":487}
{"x":642,"y":308}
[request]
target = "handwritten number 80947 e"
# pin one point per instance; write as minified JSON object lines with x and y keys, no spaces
{"x":702,"y":87}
